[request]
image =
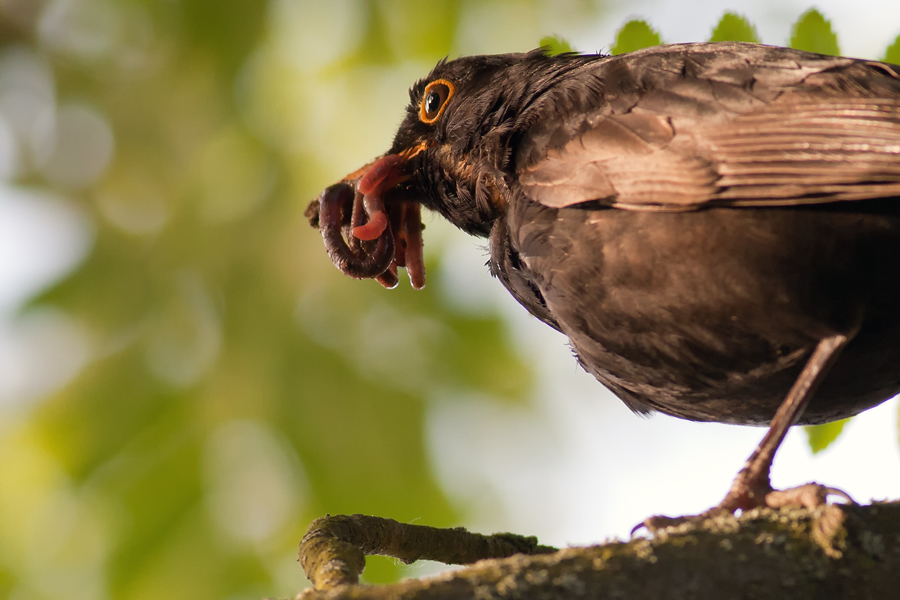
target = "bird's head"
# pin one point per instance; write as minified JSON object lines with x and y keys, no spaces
{"x":453,"y":153}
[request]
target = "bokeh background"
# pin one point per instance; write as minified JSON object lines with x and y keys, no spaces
{"x":185,"y":379}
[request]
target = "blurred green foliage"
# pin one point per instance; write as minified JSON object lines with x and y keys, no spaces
{"x":812,"y":32}
{"x":238,"y":385}
{"x":821,"y":436}
{"x":733,"y":27}
{"x":892,"y":54}
{"x":634,"y":35}
{"x":555,"y":45}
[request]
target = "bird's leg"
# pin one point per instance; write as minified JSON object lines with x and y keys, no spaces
{"x":751,"y":487}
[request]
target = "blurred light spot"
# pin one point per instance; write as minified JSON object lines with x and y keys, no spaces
{"x":479,"y":33}
{"x":321,"y":318}
{"x":333,"y":112}
{"x":396,"y":345}
{"x":39,"y":353}
{"x":132,"y":202}
{"x":235,"y":175}
{"x":21,"y":12}
{"x":42,"y":238}
{"x":381,"y":343}
{"x":255,"y":482}
{"x":74,"y":146}
{"x":9,"y":151}
{"x":86,"y":28}
{"x":461,"y":288}
{"x":287,"y":580}
{"x":54,"y":539}
{"x":486,"y":454}
{"x":136,"y":46}
{"x":185,"y":337}
{"x":26,"y":93}
{"x":311,"y":35}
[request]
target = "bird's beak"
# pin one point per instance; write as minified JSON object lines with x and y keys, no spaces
{"x":380,"y":237}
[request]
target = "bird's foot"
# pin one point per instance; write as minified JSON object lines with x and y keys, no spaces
{"x":744,"y":496}
{"x":809,"y":495}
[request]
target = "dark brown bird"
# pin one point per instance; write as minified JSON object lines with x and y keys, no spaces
{"x":715,"y":227}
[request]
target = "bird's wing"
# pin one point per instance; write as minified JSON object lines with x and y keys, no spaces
{"x":683,"y":138}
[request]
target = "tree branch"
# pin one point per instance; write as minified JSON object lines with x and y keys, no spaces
{"x":332,"y":553}
{"x":835,"y":551}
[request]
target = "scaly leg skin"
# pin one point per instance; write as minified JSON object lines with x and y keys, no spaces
{"x":751,"y":487}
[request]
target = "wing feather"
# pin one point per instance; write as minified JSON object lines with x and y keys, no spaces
{"x":809,"y":142}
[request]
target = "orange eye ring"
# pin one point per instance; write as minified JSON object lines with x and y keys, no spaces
{"x":434,"y":100}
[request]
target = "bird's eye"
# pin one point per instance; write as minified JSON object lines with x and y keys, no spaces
{"x":437,"y":93}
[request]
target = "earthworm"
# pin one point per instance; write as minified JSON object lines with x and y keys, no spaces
{"x":412,"y":228}
{"x":356,"y":262}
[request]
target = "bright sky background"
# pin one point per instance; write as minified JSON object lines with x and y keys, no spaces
{"x":864,"y":28}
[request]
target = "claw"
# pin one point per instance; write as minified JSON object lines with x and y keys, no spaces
{"x":809,"y":496}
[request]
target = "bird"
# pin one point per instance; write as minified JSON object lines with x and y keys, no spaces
{"x":714,"y":226}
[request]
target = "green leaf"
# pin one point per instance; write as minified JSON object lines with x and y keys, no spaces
{"x":733,"y":27}
{"x":821,"y":436}
{"x":813,"y":33}
{"x":892,"y":54}
{"x":635,"y":35}
{"x":555,"y":45}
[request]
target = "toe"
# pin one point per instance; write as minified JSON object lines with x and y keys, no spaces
{"x":810,"y":496}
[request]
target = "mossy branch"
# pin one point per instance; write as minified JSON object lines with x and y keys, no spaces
{"x":830,"y":552}
{"x":333,"y":550}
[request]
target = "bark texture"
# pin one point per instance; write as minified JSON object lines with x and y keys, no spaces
{"x":830,"y":552}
